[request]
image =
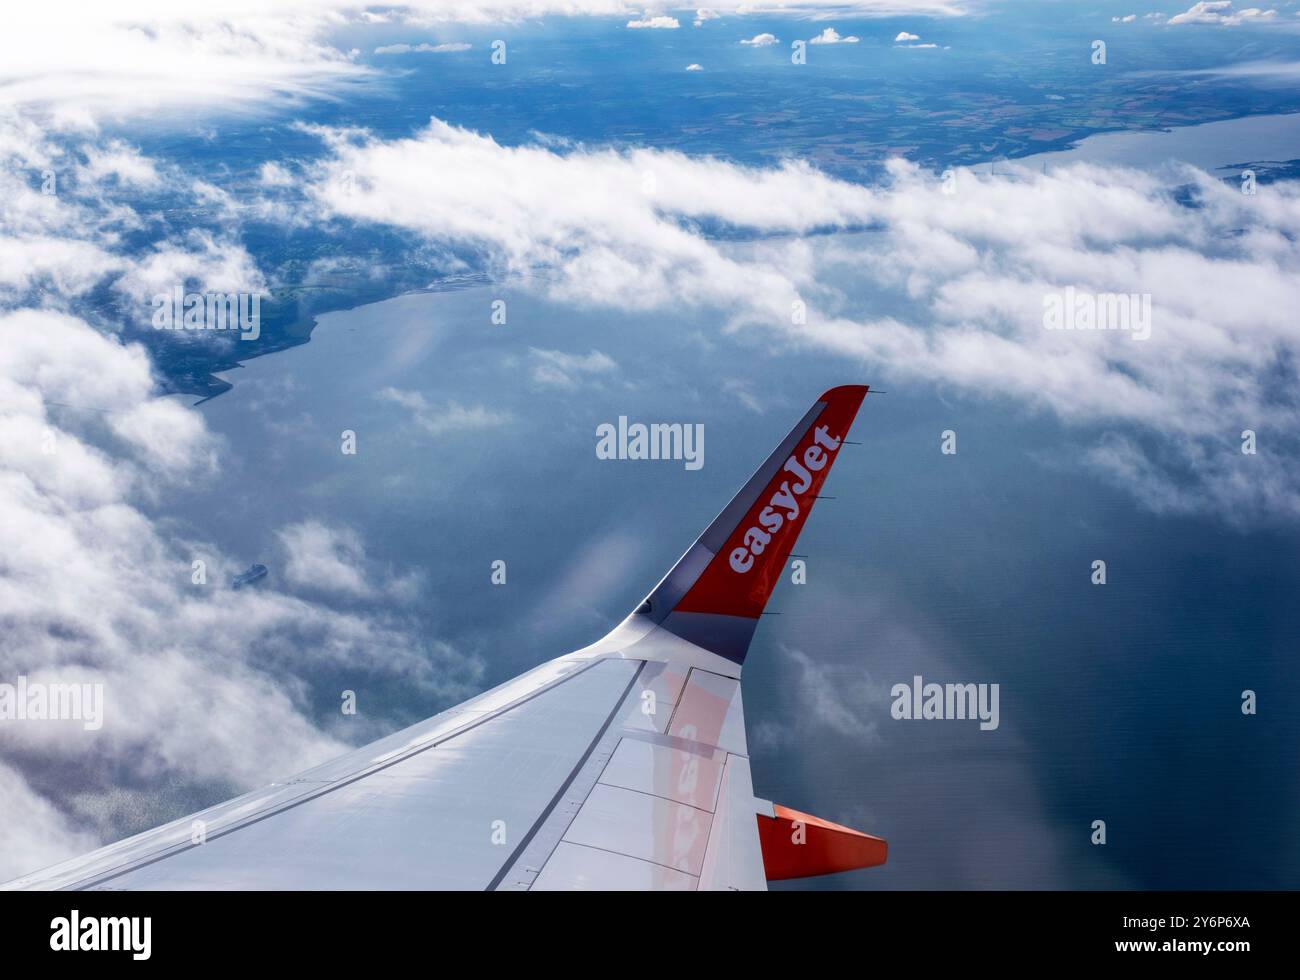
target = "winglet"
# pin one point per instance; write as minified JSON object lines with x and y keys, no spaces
{"x":715,"y":593}
{"x":799,"y":845}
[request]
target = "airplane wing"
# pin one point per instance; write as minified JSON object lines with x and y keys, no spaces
{"x":620,"y":766}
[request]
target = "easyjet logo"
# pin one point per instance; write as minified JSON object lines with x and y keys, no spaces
{"x":783,"y":505}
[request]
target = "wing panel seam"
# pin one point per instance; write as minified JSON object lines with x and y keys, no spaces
{"x":325,"y":789}
{"x":559,"y":794}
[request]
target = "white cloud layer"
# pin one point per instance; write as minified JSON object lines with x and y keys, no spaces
{"x":65,"y":205}
{"x":425,"y":48}
{"x":655,"y":23}
{"x":78,"y":61}
{"x":204,"y":687}
{"x":333,"y":560}
{"x":558,"y":369}
{"x":1263,"y":72}
{"x":831,"y":36}
{"x":965,"y":276}
{"x":446,"y":419}
{"x":1223,"y":13}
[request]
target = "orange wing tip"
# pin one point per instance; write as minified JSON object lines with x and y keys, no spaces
{"x":844,"y":392}
{"x":799,"y":845}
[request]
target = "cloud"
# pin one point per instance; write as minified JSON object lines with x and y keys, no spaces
{"x":50,"y":241}
{"x":832,"y":36}
{"x":119,"y":161}
{"x":1221,"y":12}
{"x":705,"y":13}
{"x":423,"y":48}
{"x":740,"y":390}
{"x":1259,"y":72}
{"x":171,"y":437}
{"x":963,"y":275}
{"x":1126,"y":19}
{"x":34,"y":833}
{"x":760,"y":40}
{"x":655,"y":23}
{"x":450,"y":418}
{"x":854,"y":8}
{"x":319,"y":557}
{"x":694,"y":67}
{"x":82,"y":62}
{"x":77,"y":64}
{"x":556,"y":369}
{"x":205,"y":688}
{"x":94,"y":590}
{"x":324,"y":559}
{"x":903,"y":38}
{"x":272,"y":174}
{"x":58,"y":247}
{"x":828,"y":699}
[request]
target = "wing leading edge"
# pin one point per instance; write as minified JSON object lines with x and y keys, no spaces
{"x":622,"y":765}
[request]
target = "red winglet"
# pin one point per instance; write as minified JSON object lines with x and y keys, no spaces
{"x":716,"y":592}
{"x":797,"y":845}
{"x":740,"y":578}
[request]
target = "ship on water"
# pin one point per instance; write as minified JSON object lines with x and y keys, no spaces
{"x":254,"y":573}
